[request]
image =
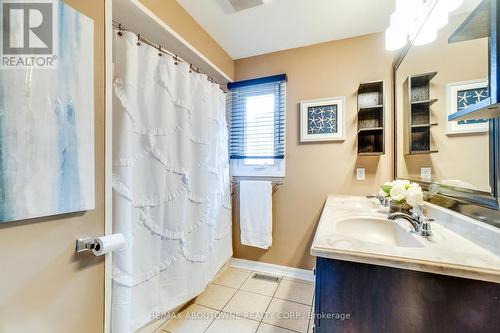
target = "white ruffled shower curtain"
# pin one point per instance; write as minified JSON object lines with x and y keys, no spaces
{"x":171,"y":183}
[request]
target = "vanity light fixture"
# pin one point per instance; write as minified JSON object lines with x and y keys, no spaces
{"x":410,"y":16}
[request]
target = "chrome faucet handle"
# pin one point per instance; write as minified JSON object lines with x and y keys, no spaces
{"x":382,"y":200}
{"x":425,"y":227}
{"x":417,"y":213}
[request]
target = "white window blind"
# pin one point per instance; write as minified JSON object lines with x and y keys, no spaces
{"x":257,"y":126}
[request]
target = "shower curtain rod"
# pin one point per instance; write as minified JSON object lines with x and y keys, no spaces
{"x":176,"y":58}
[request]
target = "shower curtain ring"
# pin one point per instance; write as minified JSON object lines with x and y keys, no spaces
{"x":159,"y":49}
{"x":138,"y":39}
{"x":120,"y":33}
{"x":176,"y":60}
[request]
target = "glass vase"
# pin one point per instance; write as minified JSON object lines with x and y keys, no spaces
{"x":399,"y":207}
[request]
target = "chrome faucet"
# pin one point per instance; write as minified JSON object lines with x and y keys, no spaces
{"x":421,"y":224}
{"x":384,"y":201}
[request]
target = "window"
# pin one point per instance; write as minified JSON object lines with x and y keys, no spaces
{"x":258,"y":136}
{"x":257,"y":126}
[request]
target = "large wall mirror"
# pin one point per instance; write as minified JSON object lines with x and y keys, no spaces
{"x":454,"y":160}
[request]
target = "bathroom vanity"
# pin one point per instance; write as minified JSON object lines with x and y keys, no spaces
{"x":375,"y":275}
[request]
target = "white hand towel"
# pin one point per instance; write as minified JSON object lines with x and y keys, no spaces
{"x":256,"y":213}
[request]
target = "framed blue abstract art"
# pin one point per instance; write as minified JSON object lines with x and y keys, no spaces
{"x":461,"y":95}
{"x":322,"y":120}
{"x":46,"y":112}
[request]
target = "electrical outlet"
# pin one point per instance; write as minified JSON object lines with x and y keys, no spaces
{"x":426,"y":174}
{"x":360,"y":173}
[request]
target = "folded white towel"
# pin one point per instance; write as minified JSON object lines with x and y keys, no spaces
{"x":256,"y":213}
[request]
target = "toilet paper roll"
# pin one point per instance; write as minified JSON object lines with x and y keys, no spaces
{"x":106,"y":244}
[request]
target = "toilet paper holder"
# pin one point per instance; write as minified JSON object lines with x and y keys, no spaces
{"x":101,"y":245}
{"x":86,"y":244}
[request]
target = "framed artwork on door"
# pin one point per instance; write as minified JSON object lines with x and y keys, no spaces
{"x":47,"y":122}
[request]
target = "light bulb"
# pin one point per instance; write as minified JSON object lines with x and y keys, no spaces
{"x":439,"y":16}
{"x":399,"y":23}
{"x":394,"y":39}
{"x":406,"y":7}
{"x":451,"y":5}
{"x":425,"y":36}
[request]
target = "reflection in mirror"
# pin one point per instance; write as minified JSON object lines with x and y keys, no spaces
{"x":433,"y":81}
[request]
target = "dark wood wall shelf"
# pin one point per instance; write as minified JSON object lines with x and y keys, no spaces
{"x":417,"y":112}
{"x":370,"y":129}
{"x":370,"y":154}
{"x":427,"y":102}
{"x":423,"y":125}
{"x":423,"y":152}
{"x":370,"y":108}
{"x":371,"y":118}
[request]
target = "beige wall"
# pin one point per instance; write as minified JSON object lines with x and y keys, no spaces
{"x":178,"y":19}
{"x":44,"y":287}
{"x":315,"y":170}
{"x":458,"y":154}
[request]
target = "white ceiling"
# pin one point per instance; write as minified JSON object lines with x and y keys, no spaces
{"x":284,"y":24}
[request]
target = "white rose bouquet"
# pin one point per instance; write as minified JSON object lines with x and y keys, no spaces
{"x":402,"y":191}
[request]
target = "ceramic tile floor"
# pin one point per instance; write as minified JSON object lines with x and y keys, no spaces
{"x":237,"y":303}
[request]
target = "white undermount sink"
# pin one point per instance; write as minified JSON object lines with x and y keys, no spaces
{"x":377,"y":230}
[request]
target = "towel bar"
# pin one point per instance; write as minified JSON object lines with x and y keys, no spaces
{"x":275,"y":183}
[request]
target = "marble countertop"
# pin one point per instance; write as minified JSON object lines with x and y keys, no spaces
{"x":460,"y":246}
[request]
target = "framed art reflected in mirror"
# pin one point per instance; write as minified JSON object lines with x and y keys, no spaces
{"x":461,"y":95}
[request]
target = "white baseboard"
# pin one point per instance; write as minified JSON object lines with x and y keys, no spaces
{"x":289,"y":272}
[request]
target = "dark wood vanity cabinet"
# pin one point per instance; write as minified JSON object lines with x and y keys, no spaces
{"x":355,"y":297}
